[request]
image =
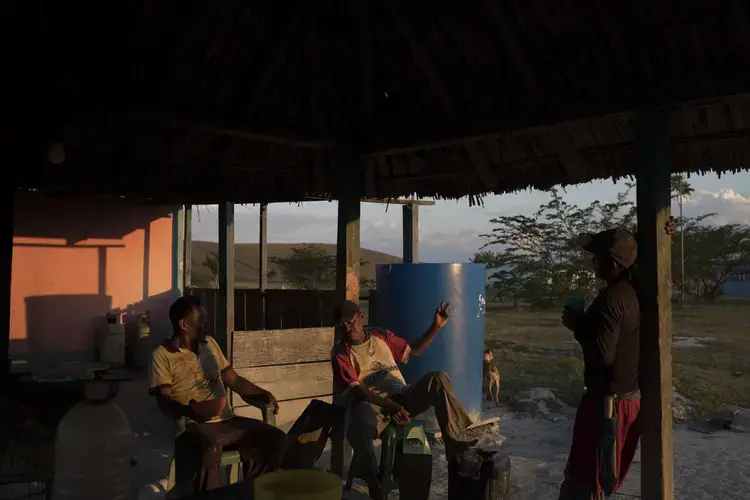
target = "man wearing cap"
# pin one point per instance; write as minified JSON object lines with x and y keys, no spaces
{"x":606,"y":428}
{"x":366,"y":373}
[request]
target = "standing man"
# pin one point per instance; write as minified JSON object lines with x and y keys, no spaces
{"x":365,"y":370}
{"x":606,"y":428}
{"x":188,"y":375}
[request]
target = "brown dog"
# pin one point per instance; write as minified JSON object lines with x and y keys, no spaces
{"x":492,"y":377}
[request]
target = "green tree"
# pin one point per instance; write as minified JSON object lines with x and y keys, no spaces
{"x":540,"y":260}
{"x":681,"y":190}
{"x":506,"y":280}
{"x":312,"y":268}
{"x":211,"y":262}
{"x":715,"y":255}
{"x":307,"y":268}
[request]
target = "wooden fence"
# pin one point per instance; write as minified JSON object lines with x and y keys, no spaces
{"x":285,"y":309}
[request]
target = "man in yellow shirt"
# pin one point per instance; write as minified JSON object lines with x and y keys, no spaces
{"x":188,"y":376}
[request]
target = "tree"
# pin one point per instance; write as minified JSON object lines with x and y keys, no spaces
{"x":508,"y":281}
{"x":211,"y":261}
{"x":308,"y":268}
{"x":681,"y":190}
{"x":715,"y":255}
{"x":540,"y":260}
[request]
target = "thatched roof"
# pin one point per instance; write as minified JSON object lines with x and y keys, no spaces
{"x":256,"y":100}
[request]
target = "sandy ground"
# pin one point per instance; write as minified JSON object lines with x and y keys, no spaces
{"x":707,"y":466}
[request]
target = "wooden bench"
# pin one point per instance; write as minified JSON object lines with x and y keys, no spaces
{"x":295,"y":365}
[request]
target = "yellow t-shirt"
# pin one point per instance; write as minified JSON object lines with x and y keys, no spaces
{"x":191,"y":376}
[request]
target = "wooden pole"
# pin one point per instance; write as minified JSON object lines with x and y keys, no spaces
{"x":263,"y":261}
{"x":6,"y":270}
{"x":347,"y":239}
{"x":225,"y":311}
{"x":655,"y":292}
{"x":178,"y":254}
{"x":411,"y":234}
{"x":187,"y":271}
{"x":347,"y":271}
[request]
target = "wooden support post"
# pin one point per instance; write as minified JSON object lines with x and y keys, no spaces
{"x":347,"y":240}
{"x":178,"y":254}
{"x":187,"y":271}
{"x":6,"y":270}
{"x":263,"y":261}
{"x":655,"y":292}
{"x":225,"y":310}
{"x":411,"y":234}
{"x":347,"y":272}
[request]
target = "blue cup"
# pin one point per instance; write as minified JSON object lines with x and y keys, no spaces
{"x":576,"y":304}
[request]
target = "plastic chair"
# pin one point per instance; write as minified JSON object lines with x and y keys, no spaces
{"x":390,"y":437}
{"x":229,"y":458}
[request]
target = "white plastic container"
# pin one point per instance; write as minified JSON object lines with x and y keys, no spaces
{"x":112,"y":342}
{"x":93,"y":450}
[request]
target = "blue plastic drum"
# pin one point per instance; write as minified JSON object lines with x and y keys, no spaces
{"x":408,"y":295}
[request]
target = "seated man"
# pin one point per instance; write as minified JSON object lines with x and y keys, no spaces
{"x":364,"y":367}
{"x":188,"y":374}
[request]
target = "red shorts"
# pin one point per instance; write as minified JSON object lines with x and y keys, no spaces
{"x":583,"y":464}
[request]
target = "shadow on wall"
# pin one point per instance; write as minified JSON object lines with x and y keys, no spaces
{"x":74,"y":261}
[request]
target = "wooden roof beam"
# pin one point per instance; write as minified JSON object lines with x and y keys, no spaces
{"x":366,"y":41}
{"x":399,"y":201}
{"x":481,"y":162}
{"x":238,"y":132}
{"x":290,"y":35}
{"x":422,"y":58}
{"x":575,"y":165}
{"x":516,"y":53}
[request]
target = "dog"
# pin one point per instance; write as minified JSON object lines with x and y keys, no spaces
{"x":492,"y":377}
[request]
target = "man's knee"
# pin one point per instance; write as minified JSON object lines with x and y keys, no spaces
{"x":441,"y":378}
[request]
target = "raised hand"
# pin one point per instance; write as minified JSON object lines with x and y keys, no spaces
{"x":441,"y":314}
{"x":671,"y":226}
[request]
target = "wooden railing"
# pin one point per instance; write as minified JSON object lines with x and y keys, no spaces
{"x":284,"y":309}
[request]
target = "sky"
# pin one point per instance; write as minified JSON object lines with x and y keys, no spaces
{"x":450,"y":231}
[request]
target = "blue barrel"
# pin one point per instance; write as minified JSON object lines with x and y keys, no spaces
{"x":408,"y":295}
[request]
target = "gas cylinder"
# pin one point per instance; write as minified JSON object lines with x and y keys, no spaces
{"x":93,"y":449}
{"x":112,"y":341}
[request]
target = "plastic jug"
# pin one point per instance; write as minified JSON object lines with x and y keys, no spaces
{"x":306,"y":484}
{"x":93,"y":449}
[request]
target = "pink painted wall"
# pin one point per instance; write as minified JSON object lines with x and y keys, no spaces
{"x":76,"y":260}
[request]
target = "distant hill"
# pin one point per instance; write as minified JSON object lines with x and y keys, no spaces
{"x":247,"y":255}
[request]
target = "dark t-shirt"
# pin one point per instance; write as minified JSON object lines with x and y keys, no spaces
{"x":609,"y":334}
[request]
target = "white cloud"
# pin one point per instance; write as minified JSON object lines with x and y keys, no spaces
{"x":449,"y":231}
{"x":729,"y":206}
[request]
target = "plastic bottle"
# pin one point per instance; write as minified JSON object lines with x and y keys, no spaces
{"x":93,"y":449}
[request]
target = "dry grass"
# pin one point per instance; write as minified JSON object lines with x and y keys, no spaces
{"x":532,"y":349}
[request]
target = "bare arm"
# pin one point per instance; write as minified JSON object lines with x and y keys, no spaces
{"x":169,"y":406}
{"x":241,"y":385}
{"x":420,"y":345}
{"x":362,"y":393}
{"x":246,"y":389}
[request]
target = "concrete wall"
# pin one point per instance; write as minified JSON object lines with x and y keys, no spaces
{"x":76,"y":260}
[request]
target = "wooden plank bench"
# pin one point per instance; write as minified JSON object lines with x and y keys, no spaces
{"x":294,"y":364}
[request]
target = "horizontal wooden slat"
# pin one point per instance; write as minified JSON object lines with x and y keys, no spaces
{"x":274,"y":347}
{"x":292,"y":381}
{"x":289,"y":411}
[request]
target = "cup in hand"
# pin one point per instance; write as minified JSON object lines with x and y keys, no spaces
{"x":576,"y":304}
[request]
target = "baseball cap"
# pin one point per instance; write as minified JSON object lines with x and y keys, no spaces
{"x":346,"y":311}
{"x":619,"y":244}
